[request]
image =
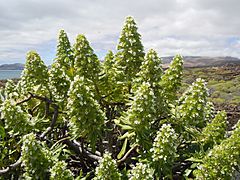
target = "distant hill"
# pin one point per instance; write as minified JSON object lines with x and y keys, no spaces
{"x":16,"y":66}
{"x":204,"y":61}
{"x":189,"y":61}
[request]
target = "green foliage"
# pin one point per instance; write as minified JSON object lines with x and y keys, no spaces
{"x":86,"y":62}
{"x":223,"y":160}
{"x":107,"y":169}
{"x":85,"y":116}
{"x":61,"y":123}
{"x":192,"y":105}
{"x":151,"y":70}
{"x":61,"y":70}
{"x":16,"y":120}
{"x":59,"y":172}
{"x":214,"y":132}
{"x":141,"y":114}
{"x":164,"y":151}
{"x":141,"y":172}
{"x":36,"y":158}
{"x":130,"y":53}
{"x":34,"y":77}
{"x":171,"y":80}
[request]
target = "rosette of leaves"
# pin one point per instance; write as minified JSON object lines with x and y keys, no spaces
{"x":171,"y":80}
{"x":34,"y":77}
{"x":16,"y":120}
{"x":223,"y":160}
{"x":36,"y":158}
{"x":61,"y":71}
{"x":214,"y":132}
{"x":141,"y":171}
{"x":107,"y":169}
{"x":130,"y":53}
{"x":86,"y":63}
{"x":85,"y":116}
{"x":164,"y":151}
{"x":59,"y":172}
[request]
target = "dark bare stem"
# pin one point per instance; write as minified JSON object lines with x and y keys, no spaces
{"x":47,"y":106}
{"x":48,"y":102}
{"x":78,"y":151}
{"x":10,"y":167}
{"x":53,"y":122}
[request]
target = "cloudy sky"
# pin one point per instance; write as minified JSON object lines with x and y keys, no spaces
{"x":188,"y":27}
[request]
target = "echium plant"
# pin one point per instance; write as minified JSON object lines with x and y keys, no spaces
{"x":34,"y":77}
{"x":107,"y":169}
{"x":141,"y":171}
{"x":128,"y":97}
{"x":16,"y":120}
{"x":140,"y":115}
{"x":164,"y":151}
{"x":10,"y":91}
{"x":36,"y":158}
{"x":130,"y":53}
{"x":223,"y":160}
{"x":85,"y":115}
{"x":59,"y":172}
{"x":86,"y":63}
{"x":151,"y":69}
{"x":108,"y":81}
{"x":171,"y":80}
{"x":214,"y":132}
{"x":151,"y":72}
{"x":191,"y":106}
{"x":61,"y":71}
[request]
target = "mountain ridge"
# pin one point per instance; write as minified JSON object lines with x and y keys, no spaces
{"x":189,"y":61}
{"x":14,"y":66}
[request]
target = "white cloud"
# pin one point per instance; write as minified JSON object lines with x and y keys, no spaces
{"x":199,"y":27}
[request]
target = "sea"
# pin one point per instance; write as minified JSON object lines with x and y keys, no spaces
{"x":10,"y":74}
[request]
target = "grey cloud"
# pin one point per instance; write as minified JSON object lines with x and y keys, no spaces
{"x":199,"y":27}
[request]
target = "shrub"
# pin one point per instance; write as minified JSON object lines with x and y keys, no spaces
{"x":123,"y":118}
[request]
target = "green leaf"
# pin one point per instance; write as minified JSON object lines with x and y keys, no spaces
{"x":123,"y":150}
{"x":126,"y":135}
{"x":194,"y":160}
{"x":124,"y":126}
{"x":187,"y":172}
{"x":2,"y":132}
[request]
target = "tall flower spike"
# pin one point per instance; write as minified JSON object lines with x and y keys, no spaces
{"x":107,"y":169}
{"x":130,"y":50}
{"x":142,"y":114}
{"x":59,"y":172}
{"x":164,"y":151}
{"x":214,"y":132}
{"x":36,"y":158}
{"x":223,"y":160}
{"x":151,"y":69}
{"x":61,"y":70}
{"x":192,"y":105}
{"x":34,"y":77}
{"x":108,"y":62}
{"x":141,"y":172}
{"x":86,"y":62}
{"x":108,"y":78}
{"x":16,"y":120}
{"x":172,"y":78}
{"x":86,"y":117}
